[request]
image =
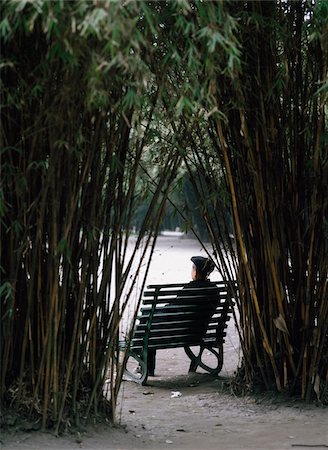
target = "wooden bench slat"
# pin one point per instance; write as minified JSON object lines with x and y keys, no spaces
{"x":184,"y":293}
{"x":161,"y":346}
{"x":169,"y":311}
{"x":146,"y":311}
{"x":163,"y":325}
{"x":170,"y":285}
{"x":164,"y":341}
{"x":186,"y":329}
{"x":163,"y":294}
{"x":169,"y":342}
{"x":138,"y":341}
{"x":179,"y":315}
{"x":200,"y":302}
{"x":173,"y":298}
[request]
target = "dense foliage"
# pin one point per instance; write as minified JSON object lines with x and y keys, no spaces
{"x":104,"y":102}
{"x":79,"y":99}
{"x":272,"y":140}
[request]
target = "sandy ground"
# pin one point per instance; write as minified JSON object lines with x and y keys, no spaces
{"x":177,"y":410}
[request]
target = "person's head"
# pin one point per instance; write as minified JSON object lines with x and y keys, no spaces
{"x":201,"y":268}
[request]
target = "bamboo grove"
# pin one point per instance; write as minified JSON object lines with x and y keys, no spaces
{"x":73,"y":148}
{"x":263,"y":140}
{"x":268,"y":139}
{"x":104,"y":106}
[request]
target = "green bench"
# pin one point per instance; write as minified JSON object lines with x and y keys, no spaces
{"x":194,"y":319}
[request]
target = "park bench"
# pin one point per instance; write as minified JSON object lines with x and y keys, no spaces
{"x":192,"y":320}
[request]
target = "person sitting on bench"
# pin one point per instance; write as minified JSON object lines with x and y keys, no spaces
{"x":201,"y":269}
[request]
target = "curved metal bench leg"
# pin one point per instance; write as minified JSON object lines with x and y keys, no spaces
{"x":196,"y":360}
{"x":141,"y":375}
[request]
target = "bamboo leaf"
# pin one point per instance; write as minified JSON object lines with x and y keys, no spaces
{"x":7,"y":300}
{"x":281,"y":324}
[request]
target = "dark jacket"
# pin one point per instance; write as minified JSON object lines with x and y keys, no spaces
{"x":204,"y":308}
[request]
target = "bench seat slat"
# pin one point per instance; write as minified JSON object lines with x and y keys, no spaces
{"x":171,"y":342}
{"x":172,"y":312}
{"x":170,"y":331}
{"x":145,"y":312}
{"x":165,"y":341}
{"x":164,"y":325}
{"x":183,"y":292}
{"x":183,"y":301}
{"x":159,"y":325}
{"x":180,"y":317}
{"x":169,"y":285}
{"x":161,"y":346}
{"x":212,"y":335}
{"x":209,"y":334}
{"x":185,"y":304}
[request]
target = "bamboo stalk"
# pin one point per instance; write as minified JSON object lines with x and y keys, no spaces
{"x":266,"y":343}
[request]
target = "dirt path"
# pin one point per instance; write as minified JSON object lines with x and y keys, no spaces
{"x":203,"y":417}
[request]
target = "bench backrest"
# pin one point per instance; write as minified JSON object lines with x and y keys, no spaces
{"x":196,"y":315}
